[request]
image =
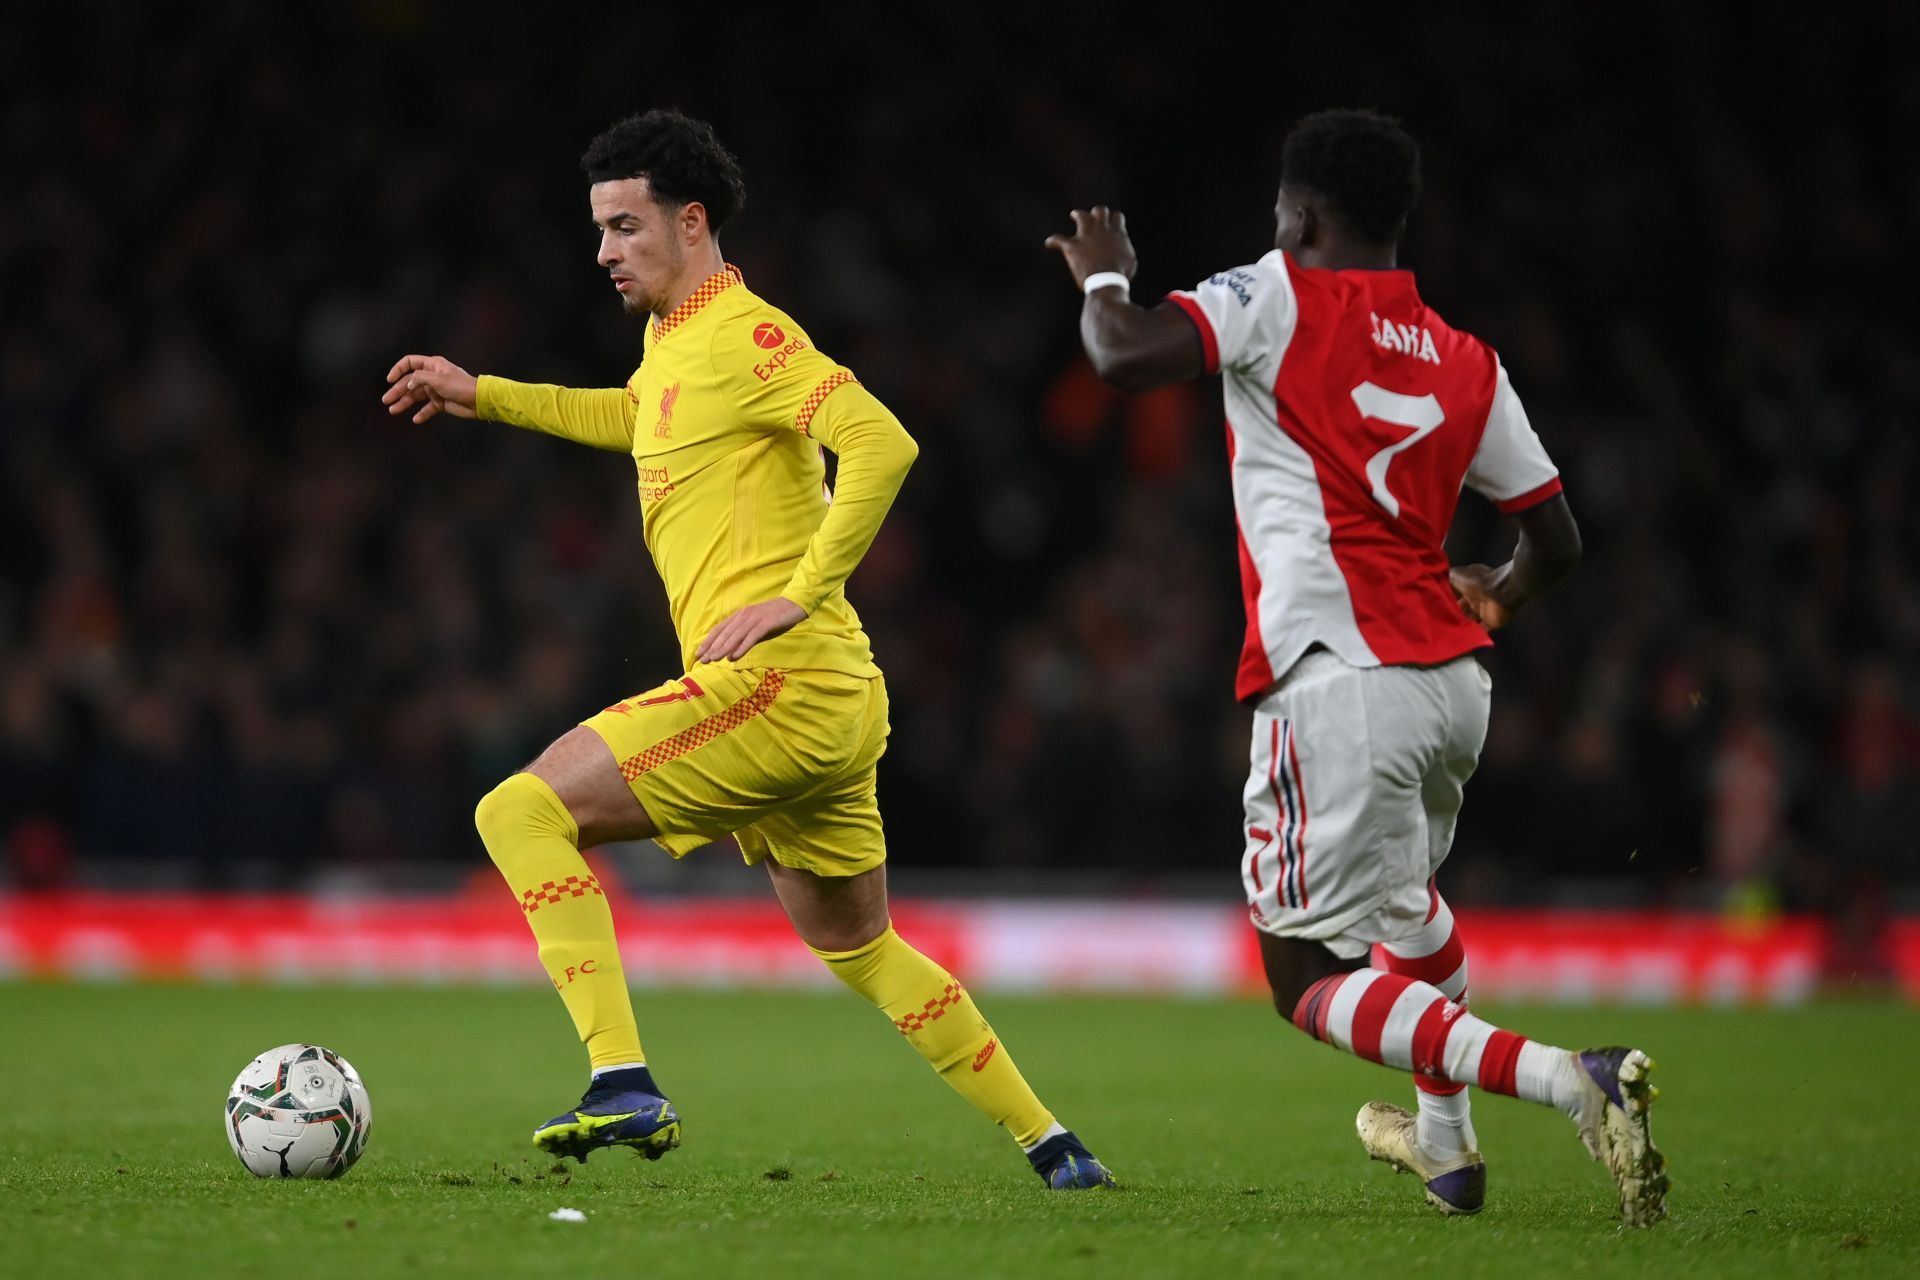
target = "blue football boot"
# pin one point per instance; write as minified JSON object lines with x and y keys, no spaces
{"x":1065,"y":1164}
{"x":621,"y":1109}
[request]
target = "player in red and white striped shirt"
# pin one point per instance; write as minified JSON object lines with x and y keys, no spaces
{"x":1355,"y":415}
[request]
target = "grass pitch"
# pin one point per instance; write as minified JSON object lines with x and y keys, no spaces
{"x":819,"y":1145}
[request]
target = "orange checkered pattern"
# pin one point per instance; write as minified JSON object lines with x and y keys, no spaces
{"x":933,"y":1009}
{"x":707,"y":730}
{"x":817,"y":397}
{"x":712,"y":287}
{"x":559,"y":891}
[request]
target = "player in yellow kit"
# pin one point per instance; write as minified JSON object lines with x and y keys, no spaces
{"x":773,"y":732}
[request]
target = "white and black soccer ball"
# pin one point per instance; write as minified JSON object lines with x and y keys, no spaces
{"x":298,"y":1111}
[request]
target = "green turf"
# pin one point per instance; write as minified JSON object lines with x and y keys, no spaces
{"x":819,"y":1145}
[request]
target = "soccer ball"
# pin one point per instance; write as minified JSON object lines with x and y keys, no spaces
{"x":298,"y":1111}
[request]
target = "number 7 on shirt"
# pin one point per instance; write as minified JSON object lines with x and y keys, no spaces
{"x":1420,"y":413}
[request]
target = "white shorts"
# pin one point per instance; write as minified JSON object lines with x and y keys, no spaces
{"x":1355,"y":788}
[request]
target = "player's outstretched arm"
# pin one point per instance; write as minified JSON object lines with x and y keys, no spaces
{"x":1548,"y":550}
{"x":427,"y":385}
{"x":1133,"y":347}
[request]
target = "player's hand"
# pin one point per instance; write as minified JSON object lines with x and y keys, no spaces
{"x":1099,"y":243}
{"x":1478,"y":589}
{"x":434,"y":383}
{"x":745,"y":628}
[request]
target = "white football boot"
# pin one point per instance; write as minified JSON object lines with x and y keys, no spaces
{"x":1615,"y":1102}
{"x":1455,"y":1183}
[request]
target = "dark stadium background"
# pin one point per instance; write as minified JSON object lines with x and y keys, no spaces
{"x":254,"y":634}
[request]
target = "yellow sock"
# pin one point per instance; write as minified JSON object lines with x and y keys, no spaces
{"x":533,"y":840}
{"x":945,"y":1027}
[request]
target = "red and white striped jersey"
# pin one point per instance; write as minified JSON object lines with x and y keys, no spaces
{"x":1354,"y":416}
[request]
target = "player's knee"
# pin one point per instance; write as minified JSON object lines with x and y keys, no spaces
{"x":1286,"y":998}
{"x":1293,"y":966}
{"x":494,"y":815}
{"x":520,"y":806}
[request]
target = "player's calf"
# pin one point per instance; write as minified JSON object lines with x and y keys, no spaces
{"x":533,"y":839}
{"x":940,"y":1020}
{"x":1435,"y":954}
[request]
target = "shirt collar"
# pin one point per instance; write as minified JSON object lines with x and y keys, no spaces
{"x":710,"y":288}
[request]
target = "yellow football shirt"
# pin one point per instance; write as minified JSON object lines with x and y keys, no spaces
{"x":725,"y":419}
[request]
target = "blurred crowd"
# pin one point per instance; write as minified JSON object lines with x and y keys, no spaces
{"x":252,"y":630}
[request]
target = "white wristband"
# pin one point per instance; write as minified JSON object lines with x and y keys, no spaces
{"x":1107,"y":279}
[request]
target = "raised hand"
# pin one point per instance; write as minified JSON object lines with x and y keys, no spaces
{"x":1099,"y":243}
{"x":434,"y":383}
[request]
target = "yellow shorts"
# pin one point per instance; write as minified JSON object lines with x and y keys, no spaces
{"x":783,"y":760}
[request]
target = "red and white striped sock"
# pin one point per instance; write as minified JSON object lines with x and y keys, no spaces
{"x":1402,"y":1022}
{"x":1436,"y":956}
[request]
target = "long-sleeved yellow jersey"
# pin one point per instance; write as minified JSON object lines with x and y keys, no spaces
{"x":725,"y":419}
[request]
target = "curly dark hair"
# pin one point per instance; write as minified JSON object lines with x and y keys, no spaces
{"x":681,"y":158}
{"x":1362,"y":163}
